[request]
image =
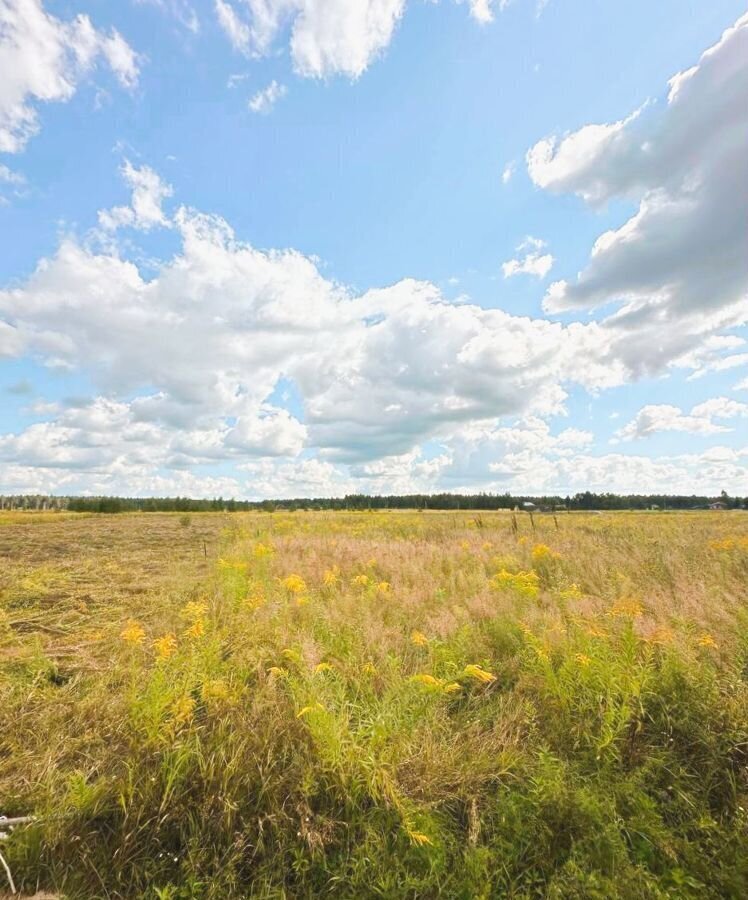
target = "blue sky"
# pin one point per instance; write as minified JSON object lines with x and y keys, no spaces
{"x":312,"y":246}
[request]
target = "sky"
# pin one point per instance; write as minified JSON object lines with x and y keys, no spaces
{"x":285,"y":248}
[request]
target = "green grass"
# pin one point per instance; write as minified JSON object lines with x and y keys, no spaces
{"x":560,"y":713}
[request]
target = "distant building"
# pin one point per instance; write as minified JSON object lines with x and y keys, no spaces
{"x":529,"y":506}
{"x":718,"y":504}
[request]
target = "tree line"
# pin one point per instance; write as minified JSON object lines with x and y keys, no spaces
{"x":445,"y":501}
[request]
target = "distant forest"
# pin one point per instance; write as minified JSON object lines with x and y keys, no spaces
{"x":580,"y":501}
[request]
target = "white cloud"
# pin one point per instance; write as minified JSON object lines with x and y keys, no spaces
{"x":43,"y":59}
{"x":677,"y":270}
{"x":663,"y":417}
{"x":188,"y":364}
{"x":264,"y":101}
{"x":508,"y":173}
{"x":10,"y":181}
{"x":237,"y":31}
{"x":529,"y":458}
{"x":481,"y":10}
{"x":534,"y":262}
{"x":180,"y":10}
{"x":199,"y":349}
{"x":326,"y":37}
{"x":148,"y":195}
{"x":7,"y":176}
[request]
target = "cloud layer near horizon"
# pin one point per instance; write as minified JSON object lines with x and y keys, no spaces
{"x":396,"y":387}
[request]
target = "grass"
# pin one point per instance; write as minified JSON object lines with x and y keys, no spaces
{"x":376,"y":705}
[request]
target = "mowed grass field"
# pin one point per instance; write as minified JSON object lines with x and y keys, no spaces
{"x":396,"y":705}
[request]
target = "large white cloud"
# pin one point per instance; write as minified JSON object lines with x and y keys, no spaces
{"x":199,"y":349}
{"x":677,"y":268}
{"x":43,"y":59}
{"x":190,"y":362}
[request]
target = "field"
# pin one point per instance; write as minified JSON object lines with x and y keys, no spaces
{"x":397,"y":705}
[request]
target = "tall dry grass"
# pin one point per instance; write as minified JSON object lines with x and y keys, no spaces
{"x":385,"y":705}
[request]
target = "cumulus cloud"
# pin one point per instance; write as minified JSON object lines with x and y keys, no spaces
{"x":326,"y":37}
{"x":677,"y":269}
{"x":264,"y":100}
{"x":534,"y":261}
{"x":200,"y":348}
{"x":43,"y":59}
{"x":720,"y":468}
{"x":529,"y":458}
{"x":188,"y":364}
{"x":145,"y":209}
{"x":663,"y":417}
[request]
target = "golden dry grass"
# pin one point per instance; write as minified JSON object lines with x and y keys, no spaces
{"x":376,"y":704}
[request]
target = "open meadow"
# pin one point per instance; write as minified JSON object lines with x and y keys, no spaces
{"x":399,"y":705}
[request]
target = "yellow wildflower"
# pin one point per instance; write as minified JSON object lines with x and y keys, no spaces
{"x":452,"y":688}
{"x":706,"y":640}
{"x":278,"y":672}
{"x":730,"y":543}
{"x":369,"y":668}
{"x":660,"y":636}
{"x":294,"y":584}
{"x":196,"y":630}
{"x":583,"y":660}
{"x":165,"y":646}
{"x":260,"y":550}
{"x":596,"y":631}
{"x":323,"y":667}
{"x":193,"y":611}
{"x":254,"y":601}
{"x":629,"y":607}
{"x":133,"y":632}
{"x":419,"y":838}
{"x":315,"y":707}
{"x":331,"y":576}
{"x":360,"y":580}
{"x":479,"y":674}
{"x":542,"y":555}
{"x":464,"y":545}
{"x":571,"y":593}
{"x":419,"y":639}
{"x":526,"y":584}
{"x":428,"y":680}
{"x":383,"y":587}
